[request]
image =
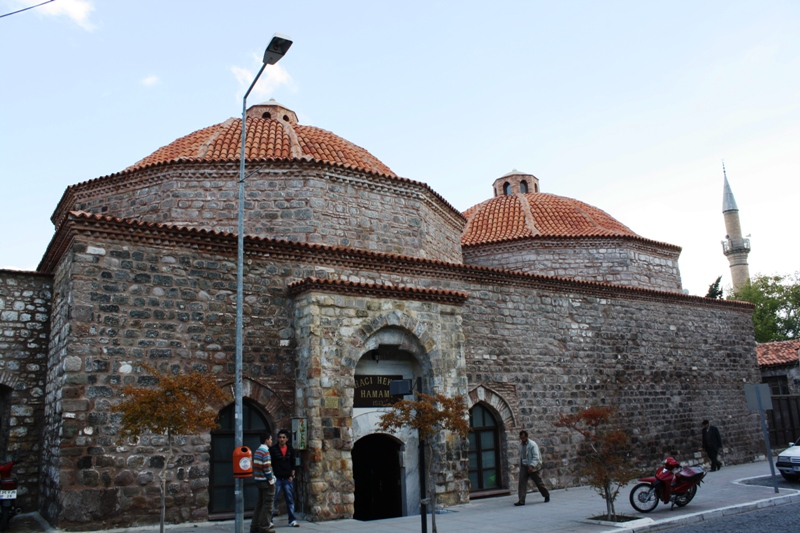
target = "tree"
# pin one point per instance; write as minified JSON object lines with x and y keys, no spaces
{"x":777,"y":300}
{"x":177,"y":405}
{"x":714,"y":290}
{"x":429,"y":415}
{"x":606,"y":462}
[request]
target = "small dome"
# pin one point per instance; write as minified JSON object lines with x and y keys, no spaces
{"x":272,"y":133}
{"x":516,"y":216}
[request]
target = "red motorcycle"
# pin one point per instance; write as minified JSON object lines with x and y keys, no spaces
{"x":8,"y":495}
{"x":671,"y":484}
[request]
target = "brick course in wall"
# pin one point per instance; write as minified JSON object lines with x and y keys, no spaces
{"x":533,"y":348}
{"x":24,"y":327}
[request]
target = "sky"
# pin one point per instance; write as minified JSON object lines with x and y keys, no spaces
{"x":629,"y":106}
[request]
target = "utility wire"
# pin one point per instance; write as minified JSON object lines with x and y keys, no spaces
{"x":25,"y":9}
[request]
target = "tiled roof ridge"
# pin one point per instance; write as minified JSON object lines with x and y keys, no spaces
{"x":530,"y":223}
{"x":206,"y":145}
{"x":227,"y":241}
{"x":68,"y":197}
{"x":778,"y":353}
{"x":377,"y":289}
{"x":297,"y":150}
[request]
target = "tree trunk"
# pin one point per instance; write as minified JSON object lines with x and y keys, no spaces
{"x":610,"y":513}
{"x":163,"y":475}
{"x":431,"y":485}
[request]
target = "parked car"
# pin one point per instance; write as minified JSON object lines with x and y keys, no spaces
{"x":789,"y":462}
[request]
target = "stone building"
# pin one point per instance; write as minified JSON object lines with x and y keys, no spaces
{"x":780,"y":367}
{"x":529,"y":304}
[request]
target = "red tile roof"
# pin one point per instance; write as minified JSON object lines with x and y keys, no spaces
{"x":266,"y":139}
{"x":537,"y":214}
{"x":778,"y":353}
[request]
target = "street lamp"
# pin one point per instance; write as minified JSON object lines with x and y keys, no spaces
{"x":276,"y":49}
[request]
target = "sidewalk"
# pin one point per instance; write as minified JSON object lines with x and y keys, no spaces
{"x":723,"y":493}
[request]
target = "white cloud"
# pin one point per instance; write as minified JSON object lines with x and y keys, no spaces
{"x":77,"y":10}
{"x":274,"y":76}
{"x":151,"y":80}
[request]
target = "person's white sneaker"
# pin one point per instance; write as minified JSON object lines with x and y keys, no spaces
{"x":294,"y":524}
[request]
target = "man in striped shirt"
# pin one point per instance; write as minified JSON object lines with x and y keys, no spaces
{"x":265,"y":482}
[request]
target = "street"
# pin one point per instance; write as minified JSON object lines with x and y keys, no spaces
{"x":780,"y":518}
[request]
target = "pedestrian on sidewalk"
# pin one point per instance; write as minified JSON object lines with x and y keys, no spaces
{"x":283,"y":467}
{"x":530,"y":467}
{"x":712,"y":444}
{"x":265,"y":482}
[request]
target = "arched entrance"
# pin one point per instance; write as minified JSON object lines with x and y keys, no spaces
{"x":221,"y":493}
{"x":484,"y":450}
{"x":376,"y":472}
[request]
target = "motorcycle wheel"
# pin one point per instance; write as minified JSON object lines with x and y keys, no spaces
{"x":5,"y":517}
{"x":683,"y":499}
{"x":644,"y":498}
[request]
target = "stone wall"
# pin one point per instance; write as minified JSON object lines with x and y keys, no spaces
{"x":24,"y":318}
{"x":627,"y":262}
{"x":311,"y":203}
{"x":666,"y":364}
{"x":173,"y":309}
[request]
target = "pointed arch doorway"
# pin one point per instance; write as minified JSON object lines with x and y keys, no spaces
{"x":377,"y":477}
{"x":221,"y":495}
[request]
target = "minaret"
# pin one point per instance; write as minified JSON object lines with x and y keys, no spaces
{"x":734,"y":246}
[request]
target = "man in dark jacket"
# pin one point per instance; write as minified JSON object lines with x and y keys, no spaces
{"x":712,"y":444}
{"x":283,"y":466}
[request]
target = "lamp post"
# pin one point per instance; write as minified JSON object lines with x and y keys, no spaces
{"x":276,"y":49}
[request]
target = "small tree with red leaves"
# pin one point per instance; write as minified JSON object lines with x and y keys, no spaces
{"x":177,"y":405}
{"x":606,"y":457}
{"x":429,"y":415}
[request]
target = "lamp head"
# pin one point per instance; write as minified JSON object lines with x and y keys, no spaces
{"x":276,"y":48}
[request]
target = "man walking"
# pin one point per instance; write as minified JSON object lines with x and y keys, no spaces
{"x":712,"y":444}
{"x":265,"y":482}
{"x":530,"y":466}
{"x":283,"y":467}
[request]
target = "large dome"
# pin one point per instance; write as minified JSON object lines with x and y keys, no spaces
{"x":516,"y":214}
{"x":272,"y":133}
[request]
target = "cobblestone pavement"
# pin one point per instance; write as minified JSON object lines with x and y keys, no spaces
{"x":784,"y":518}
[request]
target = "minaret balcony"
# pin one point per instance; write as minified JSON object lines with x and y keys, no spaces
{"x":732,"y":246}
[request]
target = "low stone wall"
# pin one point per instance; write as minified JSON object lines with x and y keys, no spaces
{"x":24,"y":319}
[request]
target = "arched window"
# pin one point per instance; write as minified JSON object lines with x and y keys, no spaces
{"x":523,"y":186}
{"x":222,"y":444}
{"x":484,"y":450}
{"x":507,"y":189}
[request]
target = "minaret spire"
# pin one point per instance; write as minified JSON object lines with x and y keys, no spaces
{"x":734,"y":246}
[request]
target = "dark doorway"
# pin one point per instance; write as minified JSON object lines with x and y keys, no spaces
{"x":376,"y":471}
{"x":222,"y":497}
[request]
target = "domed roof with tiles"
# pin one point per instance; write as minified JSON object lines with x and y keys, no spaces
{"x":535,"y":214}
{"x":272,"y":133}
